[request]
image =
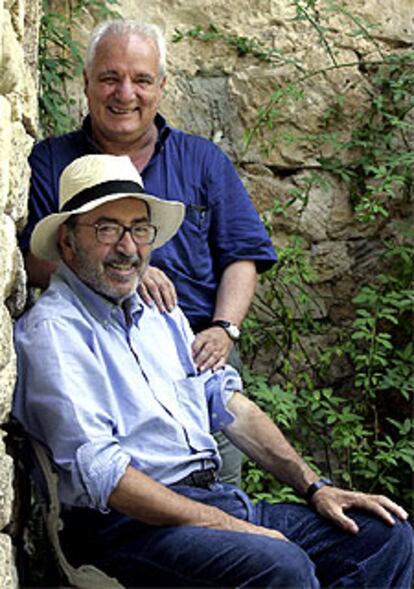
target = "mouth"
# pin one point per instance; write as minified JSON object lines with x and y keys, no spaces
{"x":122,"y":111}
{"x":122,"y":270}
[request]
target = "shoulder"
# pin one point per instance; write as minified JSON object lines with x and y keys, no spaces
{"x":56,"y":309}
{"x":195,"y":141}
{"x":59,"y":150}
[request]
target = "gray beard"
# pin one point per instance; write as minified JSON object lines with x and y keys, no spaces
{"x":90,"y":274}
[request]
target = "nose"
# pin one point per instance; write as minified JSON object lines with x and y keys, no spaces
{"x":125,"y":90}
{"x":126,"y":245}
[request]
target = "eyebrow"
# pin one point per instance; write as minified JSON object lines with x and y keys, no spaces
{"x":114,"y":220}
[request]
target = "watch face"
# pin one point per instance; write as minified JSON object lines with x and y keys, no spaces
{"x":233,"y":331}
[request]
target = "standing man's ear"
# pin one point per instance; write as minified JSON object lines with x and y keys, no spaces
{"x":85,"y":82}
{"x":162,"y":88}
{"x":163,"y":82}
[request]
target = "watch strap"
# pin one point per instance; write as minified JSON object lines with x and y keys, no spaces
{"x":316,"y":486}
{"x":228,"y":328}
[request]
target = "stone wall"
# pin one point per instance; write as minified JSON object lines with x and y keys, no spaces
{"x":19,"y":20}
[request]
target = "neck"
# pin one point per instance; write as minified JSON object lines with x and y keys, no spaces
{"x":139,"y":149}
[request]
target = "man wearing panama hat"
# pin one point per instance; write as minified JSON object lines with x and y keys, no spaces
{"x":81,"y":194}
{"x":110,"y":387}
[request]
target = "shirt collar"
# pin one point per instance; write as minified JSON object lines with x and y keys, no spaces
{"x":100,"y":307}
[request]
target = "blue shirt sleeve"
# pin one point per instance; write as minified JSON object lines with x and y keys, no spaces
{"x":236,"y":230}
{"x":43,"y":192}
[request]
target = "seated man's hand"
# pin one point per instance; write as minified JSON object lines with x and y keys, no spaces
{"x":156,"y":287}
{"x":332,"y":503}
{"x":211,"y":348}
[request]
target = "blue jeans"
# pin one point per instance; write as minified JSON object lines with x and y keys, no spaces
{"x":318,"y":554}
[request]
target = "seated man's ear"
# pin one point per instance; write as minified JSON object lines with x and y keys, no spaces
{"x":65,"y":243}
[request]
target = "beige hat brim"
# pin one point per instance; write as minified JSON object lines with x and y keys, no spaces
{"x":166,"y":215}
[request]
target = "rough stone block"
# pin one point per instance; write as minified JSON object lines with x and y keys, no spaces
{"x":19,"y":173}
{"x":5,"y":151}
{"x":8,"y":574}
{"x":331,"y":260}
{"x":17,"y":9}
{"x":30,"y":116}
{"x":6,"y":486}
{"x":16,"y":299}
{"x":7,"y":364}
{"x":12,"y":68}
{"x":7,"y":248}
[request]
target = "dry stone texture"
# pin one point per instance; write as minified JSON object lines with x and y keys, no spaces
{"x":19,"y":23}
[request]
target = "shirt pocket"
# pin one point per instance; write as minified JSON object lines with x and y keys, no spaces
{"x":198,"y":216}
{"x":192,"y":400}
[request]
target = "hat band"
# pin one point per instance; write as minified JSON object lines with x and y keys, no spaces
{"x":100,"y":190}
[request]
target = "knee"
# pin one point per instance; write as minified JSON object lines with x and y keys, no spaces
{"x":292,"y":568}
{"x":402,"y":538}
{"x":397,"y":541}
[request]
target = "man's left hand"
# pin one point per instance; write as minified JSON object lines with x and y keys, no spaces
{"x":332,"y":503}
{"x":211,"y":348}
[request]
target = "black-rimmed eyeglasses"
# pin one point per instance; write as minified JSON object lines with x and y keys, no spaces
{"x":111,"y":233}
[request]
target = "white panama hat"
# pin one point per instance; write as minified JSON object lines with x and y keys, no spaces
{"x":93,"y":180}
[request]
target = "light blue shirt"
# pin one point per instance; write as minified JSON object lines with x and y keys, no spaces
{"x":105,"y":387}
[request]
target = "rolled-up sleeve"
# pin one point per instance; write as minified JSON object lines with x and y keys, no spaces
{"x":219,"y":388}
{"x":101,"y":465}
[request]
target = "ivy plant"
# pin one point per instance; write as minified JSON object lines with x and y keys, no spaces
{"x":353,"y":423}
{"x":61,"y":58}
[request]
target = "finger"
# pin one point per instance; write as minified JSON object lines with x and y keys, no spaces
{"x":208,"y":356}
{"x":160,"y":288}
{"x":156,"y":297}
{"x":219,"y":364}
{"x":197,"y":346}
{"x":166,"y":295}
{"x":380,"y":506}
{"x":206,"y":342}
{"x":212,"y":363}
{"x":392,"y":507}
{"x":144,"y":294}
{"x":164,"y":290}
{"x":345,"y":522}
{"x":207,"y":360}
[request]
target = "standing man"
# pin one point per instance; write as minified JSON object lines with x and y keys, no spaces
{"x":212,"y":262}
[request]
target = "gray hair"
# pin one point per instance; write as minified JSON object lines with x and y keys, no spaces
{"x":120,"y":28}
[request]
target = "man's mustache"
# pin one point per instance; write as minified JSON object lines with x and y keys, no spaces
{"x":120,"y":258}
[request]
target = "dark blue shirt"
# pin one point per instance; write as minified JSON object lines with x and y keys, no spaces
{"x":221,"y":225}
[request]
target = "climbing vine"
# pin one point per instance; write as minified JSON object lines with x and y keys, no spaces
{"x":343,"y":395}
{"x":61,"y":58}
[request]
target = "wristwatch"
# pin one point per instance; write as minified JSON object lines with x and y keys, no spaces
{"x":316,"y":486}
{"x":230,"y":328}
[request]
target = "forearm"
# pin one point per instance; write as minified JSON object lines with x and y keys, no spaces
{"x":256,"y":435}
{"x":148,"y":501}
{"x":236,"y":291}
{"x":140,"y":497}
